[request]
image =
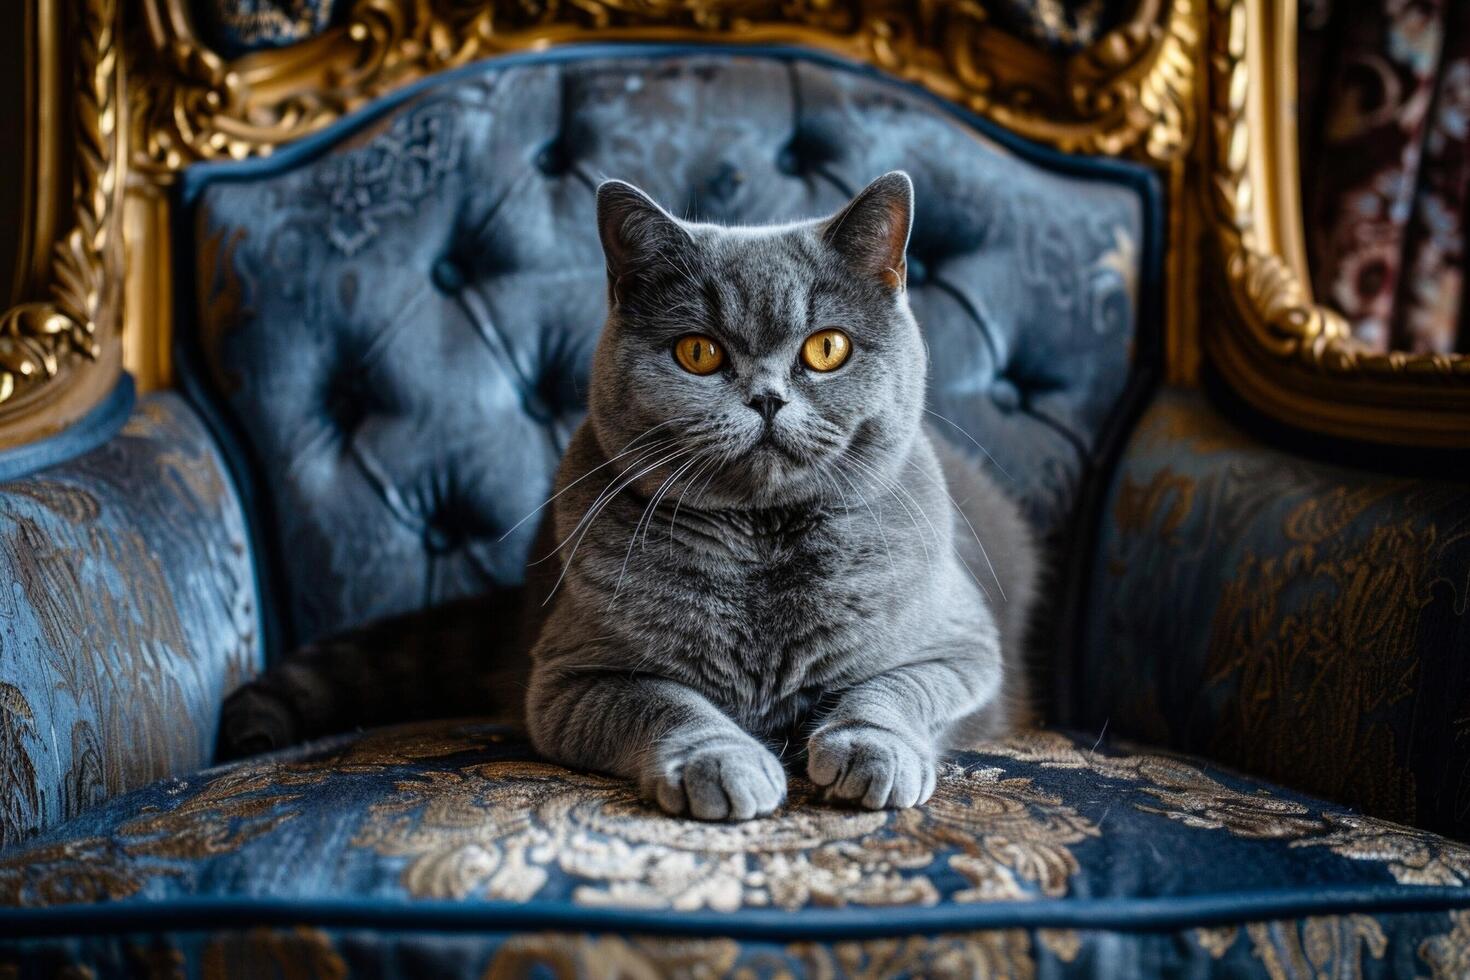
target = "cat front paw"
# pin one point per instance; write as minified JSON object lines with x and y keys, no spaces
{"x":721,"y":779}
{"x":870,"y":766}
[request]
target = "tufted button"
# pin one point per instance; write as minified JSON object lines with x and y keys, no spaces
{"x":807,"y":150}
{"x":918,"y":272}
{"x":1005,"y":394}
{"x":348,"y":400}
{"x":789,"y":161}
{"x":447,"y":275}
{"x":553,"y":160}
{"x":724,"y":182}
{"x":534,"y":403}
{"x":440,"y":537}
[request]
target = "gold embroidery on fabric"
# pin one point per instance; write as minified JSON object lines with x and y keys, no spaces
{"x":1304,"y":949}
{"x":1216,"y":940}
{"x":1184,"y":792}
{"x":636,"y":958}
{"x":1064,"y":944}
{"x":505,"y":829}
{"x":1320,"y":946}
{"x":1313,"y":640}
{"x":224,"y":815}
{"x":21,"y":802}
{"x":1413,"y":857}
{"x":996,"y":954}
{"x":1448,"y":954}
{"x":1138,"y":505}
{"x":1003,"y":954}
{"x":157,"y":961}
{"x":1187,"y":795}
{"x":302,"y":953}
{"x":1182,"y":426}
{"x":499,"y":828}
{"x":1340,"y":609}
{"x":118,"y":741}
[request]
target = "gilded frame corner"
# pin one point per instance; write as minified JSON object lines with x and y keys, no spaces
{"x":60,"y":350}
{"x":1290,"y":357}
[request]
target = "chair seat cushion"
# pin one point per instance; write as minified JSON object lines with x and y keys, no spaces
{"x":451,"y":846}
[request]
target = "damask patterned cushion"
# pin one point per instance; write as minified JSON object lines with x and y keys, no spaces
{"x":128,"y":610}
{"x":396,"y":317}
{"x":1303,"y":621}
{"x":447,"y":848}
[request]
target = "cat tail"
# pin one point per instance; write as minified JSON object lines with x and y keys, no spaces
{"x":996,"y":542}
{"x":462,"y":659}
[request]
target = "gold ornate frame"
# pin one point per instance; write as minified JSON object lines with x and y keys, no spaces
{"x":1200,"y":90}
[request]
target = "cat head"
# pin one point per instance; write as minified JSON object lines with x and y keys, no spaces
{"x":775,"y":362}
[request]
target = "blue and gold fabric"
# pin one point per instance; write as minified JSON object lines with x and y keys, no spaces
{"x":449,"y":849}
{"x":1315,"y":625}
{"x":397,"y":316}
{"x":128,"y":611}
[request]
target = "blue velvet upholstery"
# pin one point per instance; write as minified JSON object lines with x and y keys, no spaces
{"x":128,"y":611}
{"x":398,"y":317}
{"x":1040,"y":851}
{"x":1315,"y":627}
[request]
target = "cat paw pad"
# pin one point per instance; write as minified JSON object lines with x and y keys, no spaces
{"x":870,"y":766}
{"x":723,"y":780}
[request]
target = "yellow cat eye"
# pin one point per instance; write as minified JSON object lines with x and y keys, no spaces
{"x":826,"y":350}
{"x":699,"y":354}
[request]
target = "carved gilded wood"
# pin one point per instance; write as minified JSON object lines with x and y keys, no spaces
{"x":1290,"y":357}
{"x":1199,"y":89}
{"x":59,"y":353}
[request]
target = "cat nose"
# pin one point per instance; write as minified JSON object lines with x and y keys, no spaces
{"x":768,"y":405}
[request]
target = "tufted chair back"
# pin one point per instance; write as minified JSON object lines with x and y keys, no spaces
{"x":390,"y":324}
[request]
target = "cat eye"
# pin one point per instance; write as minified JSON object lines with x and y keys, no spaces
{"x":826,"y":350}
{"x":698,"y":354}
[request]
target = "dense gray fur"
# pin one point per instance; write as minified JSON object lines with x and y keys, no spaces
{"x":730,"y":591}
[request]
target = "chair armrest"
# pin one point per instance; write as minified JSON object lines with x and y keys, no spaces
{"x":1300,"y":620}
{"x":128,"y":610}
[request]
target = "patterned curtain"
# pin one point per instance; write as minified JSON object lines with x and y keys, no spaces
{"x":1385,"y":142}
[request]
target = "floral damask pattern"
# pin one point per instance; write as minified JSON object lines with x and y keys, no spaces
{"x":460,"y":816}
{"x":1386,"y":165}
{"x":1330,"y":947}
{"x":460,"y":812}
{"x":501,"y":829}
{"x":1310,"y":625}
{"x":129,"y":608}
{"x":1305,"y":949}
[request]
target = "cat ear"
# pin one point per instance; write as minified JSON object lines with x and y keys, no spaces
{"x":872,"y":232}
{"x":636,"y":232}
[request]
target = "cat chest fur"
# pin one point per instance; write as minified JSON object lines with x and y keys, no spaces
{"x":761,"y":612}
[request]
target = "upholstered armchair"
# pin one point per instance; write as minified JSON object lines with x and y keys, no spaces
{"x":315,"y":333}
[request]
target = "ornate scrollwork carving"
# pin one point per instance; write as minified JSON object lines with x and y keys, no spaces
{"x":1130,"y":92}
{"x":39,"y":340}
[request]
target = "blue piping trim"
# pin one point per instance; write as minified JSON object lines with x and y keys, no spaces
{"x":103,"y":421}
{"x":1124,"y":915}
{"x":277,"y":635}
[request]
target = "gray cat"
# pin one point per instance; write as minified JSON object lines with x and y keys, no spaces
{"x":757,"y":545}
{"x":753,"y":550}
